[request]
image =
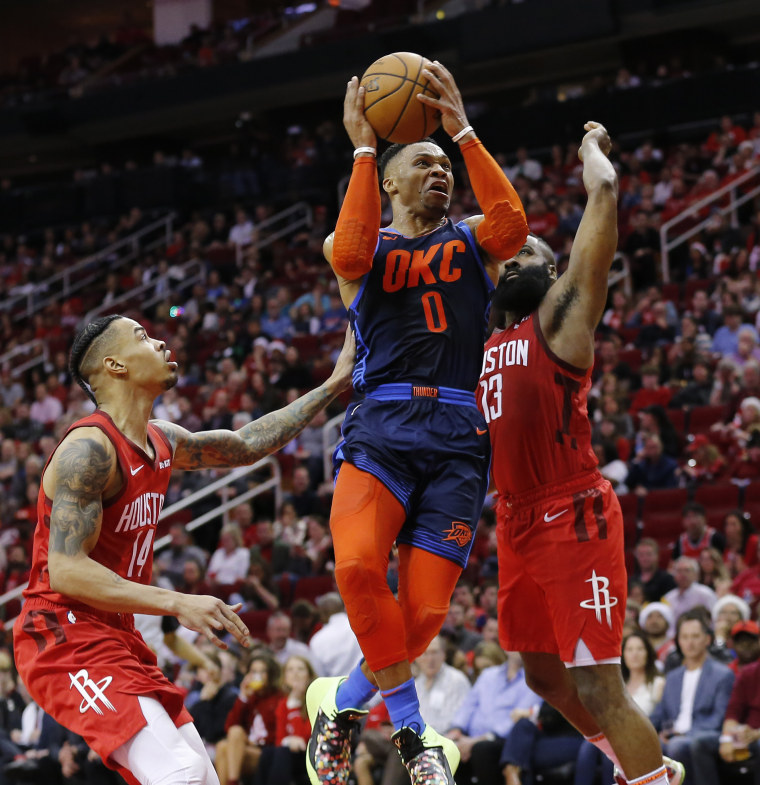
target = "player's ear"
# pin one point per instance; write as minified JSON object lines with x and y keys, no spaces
{"x":114,"y":366}
{"x":553,"y":271}
{"x":389,"y":186}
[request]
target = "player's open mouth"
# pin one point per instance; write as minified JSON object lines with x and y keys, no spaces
{"x":168,"y":359}
{"x":439,"y":187}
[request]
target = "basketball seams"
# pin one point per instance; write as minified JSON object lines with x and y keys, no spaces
{"x":393,"y":112}
{"x":409,"y":97}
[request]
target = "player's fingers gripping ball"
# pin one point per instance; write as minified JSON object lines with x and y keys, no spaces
{"x":391,"y":85}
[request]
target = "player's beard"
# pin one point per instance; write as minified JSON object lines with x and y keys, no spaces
{"x":171,"y":381}
{"x":522,"y":294}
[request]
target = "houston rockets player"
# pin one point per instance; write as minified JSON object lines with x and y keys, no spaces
{"x":101,"y":494}
{"x":562,"y":578}
{"x":413,"y":464}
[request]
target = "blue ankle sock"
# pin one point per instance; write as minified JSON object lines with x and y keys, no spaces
{"x":404,"y":707}
{"x":355,"y":691}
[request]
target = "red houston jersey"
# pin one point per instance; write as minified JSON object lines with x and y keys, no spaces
{"x":535,"y":406}
{"x":129,"y":523}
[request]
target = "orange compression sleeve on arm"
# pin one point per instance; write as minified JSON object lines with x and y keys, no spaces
{"x":358,"y":223}
{"x":503,"y":230}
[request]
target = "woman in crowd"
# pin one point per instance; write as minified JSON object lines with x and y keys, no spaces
{"x":713,"y":572}
{"x":741,"y":542}
{"x":284,"y":762}
{"x":252,"y":721}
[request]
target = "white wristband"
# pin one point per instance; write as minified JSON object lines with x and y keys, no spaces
{"x":370,"y":150}
{"x":726,"y":739}
{"x":466,"y":130}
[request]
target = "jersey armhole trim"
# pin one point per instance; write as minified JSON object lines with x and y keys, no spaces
{"x":566,"y":366}
{"x":101,"y":427}
{"x":474,"y":247}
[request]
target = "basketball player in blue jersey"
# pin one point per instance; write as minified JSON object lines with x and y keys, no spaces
{"x":413,"y":464}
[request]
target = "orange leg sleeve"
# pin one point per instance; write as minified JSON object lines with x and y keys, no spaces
{"x":365,"y":520}
{"x":426,"y":583}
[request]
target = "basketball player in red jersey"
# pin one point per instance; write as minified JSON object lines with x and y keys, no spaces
{"x":101,"y":494}
{"x":562,"y":577}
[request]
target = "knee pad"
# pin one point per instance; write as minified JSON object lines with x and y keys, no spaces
{"x":425,"y":623}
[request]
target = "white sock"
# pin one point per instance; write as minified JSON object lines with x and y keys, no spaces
{"x":656,"y":777}
{"x":601,"y":742}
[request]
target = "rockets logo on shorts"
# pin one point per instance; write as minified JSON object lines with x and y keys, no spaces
{"x":460,"y":533}
{"x":601,"y":600}
{"x":83,"y":683}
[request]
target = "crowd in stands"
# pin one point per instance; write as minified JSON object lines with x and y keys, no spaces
{"x":675,"y":409}
{"x":127,"y":54}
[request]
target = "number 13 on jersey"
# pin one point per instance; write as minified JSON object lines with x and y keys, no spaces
{"x":491,"y":388}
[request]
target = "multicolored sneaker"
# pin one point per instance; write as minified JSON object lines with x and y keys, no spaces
{"x":328,"y":753}
{"x":430,"y":759}
{"x":674,"y":769}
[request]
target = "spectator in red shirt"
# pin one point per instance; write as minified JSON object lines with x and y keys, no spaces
{"x":741,"y":542}
{"x":17,"y":569}
{"x":251,"y":723}
{"x":740,"y":734}
{"x":285,"y":760}
{"x":747,"y":465}
{"x":747,"y":585}
{"x":541,"y":220}
{"x":651,"y":392}
{"x":727,"y":136}
{"x":705,"y":463}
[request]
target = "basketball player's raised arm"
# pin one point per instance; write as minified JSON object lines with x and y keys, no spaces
{"x":502,"y":229}
{"x":573,"y":307}
{"x":257,"y":439}
{"x":83,"y":469}
{"x":355,"y":237}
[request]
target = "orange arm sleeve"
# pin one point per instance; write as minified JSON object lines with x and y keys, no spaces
{"x":358,"y":223}
{"x":503,"y":230}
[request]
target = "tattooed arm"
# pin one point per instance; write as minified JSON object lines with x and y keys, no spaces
{"x":83,"y":471}
{"x":214,"y":449}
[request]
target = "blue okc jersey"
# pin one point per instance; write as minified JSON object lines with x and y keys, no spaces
{"x":421,"y":313}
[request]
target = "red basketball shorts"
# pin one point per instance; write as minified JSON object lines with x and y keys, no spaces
{"x":87,"y":668}
{"x":562,"y":577}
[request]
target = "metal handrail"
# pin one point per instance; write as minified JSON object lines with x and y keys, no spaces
{"x":25,"y":349}
{"x":693,"y":210}
{"x":274,"y":483}
{"x":36,"y":300}
{"x":304,"y":220}
{"x":193,"y":272}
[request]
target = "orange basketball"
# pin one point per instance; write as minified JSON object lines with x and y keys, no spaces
{"x":391,"y":84}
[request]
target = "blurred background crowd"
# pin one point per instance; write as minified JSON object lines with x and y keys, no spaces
{"x":211,"y":236}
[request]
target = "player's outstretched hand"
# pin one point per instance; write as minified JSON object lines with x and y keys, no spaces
{"x":449,"y":103}
{"x":344,"y":366}
{"x":359,"y":130}
{"x":208,"y":615}
{"x":596,"y":134}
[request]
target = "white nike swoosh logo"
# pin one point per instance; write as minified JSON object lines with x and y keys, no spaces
{"x":134,"y":471}
{"x":549,"y":518}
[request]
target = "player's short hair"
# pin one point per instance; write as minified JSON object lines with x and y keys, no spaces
{"x":89,"y":341}
{"x":545,"y":248}
{"x":393,"y":151}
